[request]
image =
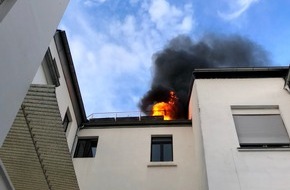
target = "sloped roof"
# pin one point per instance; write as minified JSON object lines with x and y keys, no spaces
{"x":35,"y":152}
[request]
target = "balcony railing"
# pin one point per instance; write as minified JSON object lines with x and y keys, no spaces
{"x":116,"y":115}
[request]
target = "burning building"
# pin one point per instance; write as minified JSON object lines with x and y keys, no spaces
{"x":207,"y":128}
{"x":235,"y":137}
{"x":227,"y":128}
{"x":174,"y":65}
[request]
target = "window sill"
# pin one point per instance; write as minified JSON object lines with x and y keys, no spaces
{"x":161,"y":164}
{"x":262,"y":149}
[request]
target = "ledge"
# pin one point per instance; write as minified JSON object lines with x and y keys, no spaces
{"x":161,"y":164}
{"x":262,"y":149}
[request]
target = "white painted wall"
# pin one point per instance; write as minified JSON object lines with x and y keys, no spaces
{"x":63,"y":98}
{"x":228,"y":168}
{"x":123,"y":155}
{"x":200,"y":175}
{"x":62,"y":94}
{"x":39,"y":77}
{"x":25,"y":33}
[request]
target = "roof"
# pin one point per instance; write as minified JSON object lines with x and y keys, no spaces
{"x":35,"y":152}
{"x":245,"y":72}
{"x":250,"y":72}
{"x":66,"y":60}
{"x":143,"y":121}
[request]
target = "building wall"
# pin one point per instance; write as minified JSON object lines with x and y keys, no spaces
{"x":122,"y":160}
{"x":200,"y":176}
{"x":62,"y":94}
{"x":25,"y":32}
{"x":227,"y":167}
{"x":39,"y":77}
{"x":64,"y":100}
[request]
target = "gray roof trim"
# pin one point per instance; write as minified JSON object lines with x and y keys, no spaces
{"x":136,"y":124}
{"x":61,"y":40}
{"x":247,"y":72}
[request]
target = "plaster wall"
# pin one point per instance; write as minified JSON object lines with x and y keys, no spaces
{"x":62,"y":95}
{"x":64,"y":100}
{"x":200,"y":176}
{"x":39,"y":77}
{"x":122,"y":160}
{"x":25,"y":32}
{"x":227,"y":167}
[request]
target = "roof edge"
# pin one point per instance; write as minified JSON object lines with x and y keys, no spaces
{"x":242,"y":72}
{"x":72,"y":71}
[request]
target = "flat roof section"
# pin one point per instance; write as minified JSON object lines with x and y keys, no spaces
{"x":143,"y":121}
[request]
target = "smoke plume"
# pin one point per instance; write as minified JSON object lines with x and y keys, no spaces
{"x":174,"y":65}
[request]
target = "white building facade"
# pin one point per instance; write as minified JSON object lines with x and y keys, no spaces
{"x":154,"y":155}
{"x":57,"y":69}
{"x":236,"y":138}
{"x":241,"y":124}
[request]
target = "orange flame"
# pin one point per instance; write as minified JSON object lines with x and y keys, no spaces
{"x":166,"y":109}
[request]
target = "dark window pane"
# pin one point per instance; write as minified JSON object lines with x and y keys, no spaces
{"x":161,"y":139}
{"x":161,"y":149}
{"x":86,"y":148}
{"x":155,"y":153}
{"x":94,"y":147}
{"x":80,"y":148}
{"x":65,"y":122}
{"x":167,"y":152}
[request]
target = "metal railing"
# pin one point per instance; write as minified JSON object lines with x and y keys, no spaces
{"x":138,"y":115}
{"x":116,"y":115}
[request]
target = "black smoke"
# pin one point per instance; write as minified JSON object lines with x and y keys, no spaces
{"x":174,"y":65}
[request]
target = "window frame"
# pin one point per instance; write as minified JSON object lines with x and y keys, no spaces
{"x":87,"y":151}
{"x":50,"y":69}
{"x":66,"y":120}
{"x":238,"y":112}
{"x":161,"y":141}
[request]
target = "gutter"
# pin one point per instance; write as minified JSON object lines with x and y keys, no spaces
{"x":72,"y":72}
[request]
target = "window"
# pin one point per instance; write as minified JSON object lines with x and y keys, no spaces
{"x":66,"y":120}
{"x":50,"y":69}
{"x":261,"y":130}
{"x":161,"y":149}
{"x":86,"y":148}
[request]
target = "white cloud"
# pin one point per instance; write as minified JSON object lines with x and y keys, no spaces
{"x":169,"y":17}
{"x":237,"y":8}
{"x":90,"y":3}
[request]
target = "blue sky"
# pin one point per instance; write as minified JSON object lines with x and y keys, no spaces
{"x":112,"y":41}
